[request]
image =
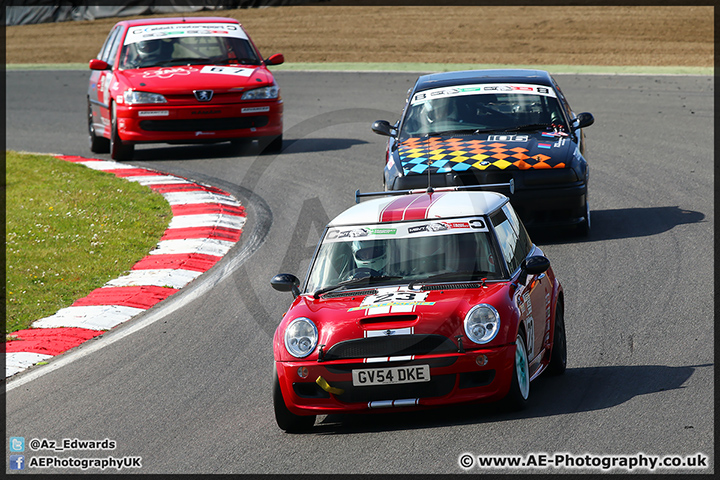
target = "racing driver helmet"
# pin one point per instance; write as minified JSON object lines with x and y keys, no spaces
{"x":439,"y":109}
{"x":148,"y":48}
{"x":369,"y":254}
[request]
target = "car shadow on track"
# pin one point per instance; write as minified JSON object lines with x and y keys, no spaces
{"x":247,"y":149}
{"x":578,"y":390}
{"x":621,"y":223}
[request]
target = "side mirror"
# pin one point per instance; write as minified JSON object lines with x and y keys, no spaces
{"x":276,"y":59}
{"x":583,"y":120}
{"x":536,"y":265}
{"x":286,"y":282}
{"x":97,"y":64}
{"x":383,"y":127}
{"x":532,"y":266}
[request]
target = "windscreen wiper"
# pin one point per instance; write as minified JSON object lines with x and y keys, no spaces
{"x":367,"y":278}
{"x":463,"y":130}
{"x":462,"y":275}
{"x":241,"y":61}
{"x":531,"y":127}
{"x":184,"y":61}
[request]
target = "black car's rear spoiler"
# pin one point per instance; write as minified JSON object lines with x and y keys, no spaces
{"x":510,"y":184}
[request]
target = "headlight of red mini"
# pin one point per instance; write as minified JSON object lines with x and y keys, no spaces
{"x":301,"y":337}
{"x":482,"y":323}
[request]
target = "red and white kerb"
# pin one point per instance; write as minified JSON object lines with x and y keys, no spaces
{"x":206,"y":224}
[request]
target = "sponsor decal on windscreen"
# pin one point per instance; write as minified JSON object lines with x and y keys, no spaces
{"x":149,"y":32}
{"x":406,"y":230}
{"x":487,"y":88}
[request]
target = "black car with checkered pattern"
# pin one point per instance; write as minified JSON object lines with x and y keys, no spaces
{"x":482,"y":127}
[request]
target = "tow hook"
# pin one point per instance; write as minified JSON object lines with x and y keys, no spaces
{"x":326,"y":386}
{"x":460,"y":345}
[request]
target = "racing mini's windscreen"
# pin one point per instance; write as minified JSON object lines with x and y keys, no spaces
{"x":226,"y":45}
{"x":482,"y":108}
{"x":402,"y":253}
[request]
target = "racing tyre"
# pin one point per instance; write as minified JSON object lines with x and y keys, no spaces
{"x":584,"y":227}
{"x":97,"y":144}
{"x":285,"y":419}
{"x":519,"y":393}
{"x":558,"y":355}
{"x":118,"y":149}
{"x":275,"y":145}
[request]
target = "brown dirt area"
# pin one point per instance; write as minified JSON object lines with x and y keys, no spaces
{"x":545,"y":35}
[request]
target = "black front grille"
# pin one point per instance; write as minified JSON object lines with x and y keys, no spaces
{"x":204,"y":124}
{"x":389,"y":346}
{"x":375,"y":319}
{"x":309,"y":390}
{"x":476,"y":177}
{"x":476,"y":379}
{"x":438,"y":386}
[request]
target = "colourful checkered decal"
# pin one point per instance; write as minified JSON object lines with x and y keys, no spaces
{"x":458,"y":155}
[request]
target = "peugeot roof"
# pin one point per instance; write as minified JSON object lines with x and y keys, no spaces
{"x":171,"y":20}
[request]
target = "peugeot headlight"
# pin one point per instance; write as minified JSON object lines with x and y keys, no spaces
{"x":301,"y":337}
{"x":133,"y":97}
{"x":482,"y":323}
{"x":264,"y":93}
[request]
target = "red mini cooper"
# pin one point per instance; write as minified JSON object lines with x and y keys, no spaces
{"x":414,"y":301}
{"x":181,"y":80}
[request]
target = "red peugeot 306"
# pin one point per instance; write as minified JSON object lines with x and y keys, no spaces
{"x":181,"y":80}
{"x":414,"y":301}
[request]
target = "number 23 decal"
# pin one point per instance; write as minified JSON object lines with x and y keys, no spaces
{"x":394,"y":297}
{"x":399,"y":296}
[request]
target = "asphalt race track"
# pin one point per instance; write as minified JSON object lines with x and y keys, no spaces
{"x":187,"y":385}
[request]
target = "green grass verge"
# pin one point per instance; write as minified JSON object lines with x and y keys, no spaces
{"x":69,"y":230}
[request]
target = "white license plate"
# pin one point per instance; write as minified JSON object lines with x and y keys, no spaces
{"x":391,"y":375}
